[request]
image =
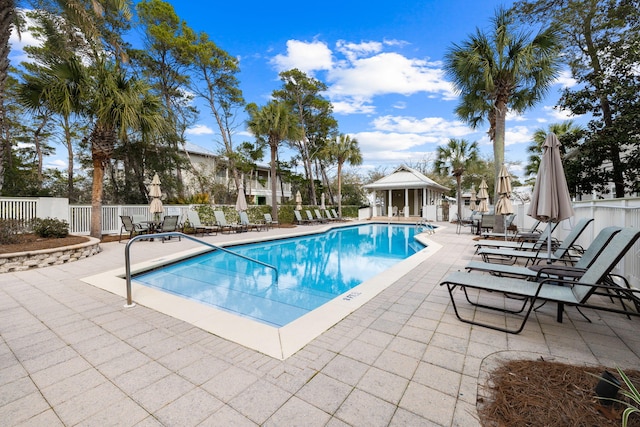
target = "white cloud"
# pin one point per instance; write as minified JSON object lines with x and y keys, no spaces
{"x":353,"y":106}
{"x":305,"y":56}
{"x":558,"y":114}
{"x":386,"y":73}
{"x":352,"y":51}
{"x":435,"y":126}
{"x":199,"y":130}
{"x":56,"y":164}
{"x":565,"y":79}
{"x":515,"y":117}
{"x":374,"y":142}
{"x":517,"y":135}
{"x":358,"y":72}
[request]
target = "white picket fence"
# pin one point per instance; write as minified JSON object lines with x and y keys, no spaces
{"x":622,"y":212}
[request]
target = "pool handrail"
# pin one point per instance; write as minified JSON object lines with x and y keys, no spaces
{"x":127,"y":259}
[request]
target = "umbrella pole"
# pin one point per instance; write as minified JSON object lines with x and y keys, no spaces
{"x":549,"y":249}
{"x":504,"y":220}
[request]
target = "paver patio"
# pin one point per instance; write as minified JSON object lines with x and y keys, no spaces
{"x":72,"y":354}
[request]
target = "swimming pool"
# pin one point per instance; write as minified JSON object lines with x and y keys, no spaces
{"x":278,"y":342}
{"x":312,"y":270}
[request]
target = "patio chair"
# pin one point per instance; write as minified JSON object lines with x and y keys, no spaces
{"x":169,"y":223}
{"x":519,"y":235}
{"x":244,"y":220}
{"x":335,"y":215}
{"x":563,"y":292}
{"x":487,"y":222}
{"x":510,"y":256}
{"x":519,"y":244}
{"x":319,"y":216}
{"x":299,"y":218}
{"x":223,"y":225}
{"x":270,"y":222}
{"x":133,"y":228}
{"x":596,"y":247}
{"x":194,"y":221}
{"x":464,"y":222}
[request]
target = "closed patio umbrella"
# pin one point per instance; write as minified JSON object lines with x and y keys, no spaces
{"x":155,"y":207}
{"x":550,"y":201}
{"x":322,"y":205}
{"x":483,"y":196}
{"x":298,"y":201}
{"x":504,"y":206}
{"x":241,"y":201}
{"x":473,"y":199}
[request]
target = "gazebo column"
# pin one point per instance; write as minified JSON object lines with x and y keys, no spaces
{"x":389,"y":205}
{"x":424,"y":202}
{"x":406,"y":203}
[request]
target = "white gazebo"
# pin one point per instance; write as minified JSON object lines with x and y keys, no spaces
{"x":406,"y":193}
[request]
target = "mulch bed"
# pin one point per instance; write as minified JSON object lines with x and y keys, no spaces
{"x":542,"y":393}
{"x":32,"y":242}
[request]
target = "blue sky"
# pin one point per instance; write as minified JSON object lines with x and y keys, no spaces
{"x":381,"y":61}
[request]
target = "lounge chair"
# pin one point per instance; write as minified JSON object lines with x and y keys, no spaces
{"x":310,"y":217}
{"x":270,"y":222}
{"x":244,"y":220}
{"x":544,"y":270}
{"x":198,"y":227}
{"x":519,"y":244}
{"x":336,"y":216}
{"x":133,"y":228}
{"x":223,"y":225}
{"x":510,"y":256}
{"x":555,"y":290}
{"x":169,"y":223}
{"x":330,"y":218}
{"x":299,"y":218}
{"x":319,"y":216}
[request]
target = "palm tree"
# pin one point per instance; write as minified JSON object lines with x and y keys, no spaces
{"x":273,"y":124}
{"x":86,"y":16}
{"x":343,"y":149}
{"x":57,"y":89}
{"x":501,"y":71}
{"x":540,"y":135}
{"x":455,"y":158}
{"x":119,"y":104}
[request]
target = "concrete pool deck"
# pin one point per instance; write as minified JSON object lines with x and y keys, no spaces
{"x":72,"y":354}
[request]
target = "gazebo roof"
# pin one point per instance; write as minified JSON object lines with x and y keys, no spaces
{"x":405,"y":177}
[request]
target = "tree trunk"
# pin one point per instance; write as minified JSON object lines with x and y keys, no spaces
{"x":607,"y":117}
{"x":96,"y":198}
{"x":67,"y":138}
{"x":498,"y":154}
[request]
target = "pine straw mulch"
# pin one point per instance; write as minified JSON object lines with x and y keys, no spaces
{"x":542,"y":393}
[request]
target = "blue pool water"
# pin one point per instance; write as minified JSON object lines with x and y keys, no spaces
{"x":312,"y":270}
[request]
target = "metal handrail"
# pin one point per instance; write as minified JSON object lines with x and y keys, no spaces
{"x":127,"y":259}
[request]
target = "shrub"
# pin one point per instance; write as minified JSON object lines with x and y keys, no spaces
{"x":51,"y":227}
{"x":10,"y":231}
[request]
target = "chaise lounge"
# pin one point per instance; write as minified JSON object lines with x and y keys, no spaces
{"x":563,"y":292}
